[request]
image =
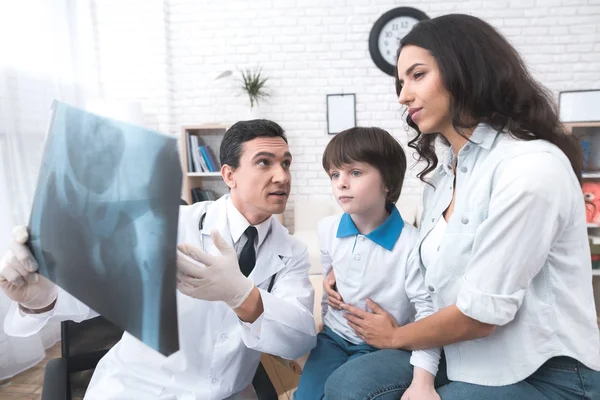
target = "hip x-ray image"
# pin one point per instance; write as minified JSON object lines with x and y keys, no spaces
{"x":104,"y":219}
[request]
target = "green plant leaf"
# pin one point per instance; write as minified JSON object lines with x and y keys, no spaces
{"x":253,"y":83}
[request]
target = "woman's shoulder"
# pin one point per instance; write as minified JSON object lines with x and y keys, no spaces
{"x":537,"y":155}
{"x":511,"y":147}
{"x":536,"y":165}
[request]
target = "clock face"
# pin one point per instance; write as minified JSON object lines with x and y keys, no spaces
{"x":391,"y":34}
{"x":387,"y":32}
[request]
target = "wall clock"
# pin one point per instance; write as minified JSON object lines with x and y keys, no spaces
{"x":387,"y":32}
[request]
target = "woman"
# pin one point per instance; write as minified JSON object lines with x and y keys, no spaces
{"x":503,"y":240}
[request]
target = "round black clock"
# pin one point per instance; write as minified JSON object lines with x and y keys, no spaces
{"x":387,"y":32}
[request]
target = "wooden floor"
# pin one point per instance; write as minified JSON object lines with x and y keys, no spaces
{"x":28,"y":384}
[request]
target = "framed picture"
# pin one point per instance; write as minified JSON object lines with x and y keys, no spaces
{"x":341,"y":112}
{"x":579,"y":106}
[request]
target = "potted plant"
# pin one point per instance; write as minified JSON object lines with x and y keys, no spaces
{"x":253,"y":83}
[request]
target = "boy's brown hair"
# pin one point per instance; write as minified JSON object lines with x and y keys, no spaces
{"x":373,"y":146}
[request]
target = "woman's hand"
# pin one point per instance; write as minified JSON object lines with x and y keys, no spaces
{"x":376,"y":328}
{"x":334,"y":299}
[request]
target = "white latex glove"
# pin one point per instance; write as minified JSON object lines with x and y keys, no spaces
{"x":214,"y":278}
{"x":18,"y":276}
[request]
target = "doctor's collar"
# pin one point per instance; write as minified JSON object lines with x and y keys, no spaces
{"x":238,"y":224}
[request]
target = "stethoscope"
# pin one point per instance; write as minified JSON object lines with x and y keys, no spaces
{"x":200,"y":226}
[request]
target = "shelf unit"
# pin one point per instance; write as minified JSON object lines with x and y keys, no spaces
{"x":571,"y":125}
{"x":209,"y":135}
{"x":203,"y":174}
{"x":590,"y":129}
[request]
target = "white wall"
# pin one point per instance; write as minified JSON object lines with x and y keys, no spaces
{"x":164,"y":52}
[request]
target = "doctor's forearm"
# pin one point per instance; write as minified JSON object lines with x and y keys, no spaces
{"x":444,"y":327}
{"x":251,"y":308}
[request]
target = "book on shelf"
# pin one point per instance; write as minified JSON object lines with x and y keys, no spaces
{"x":214,"y":161}
{"x":203,"y":162}
{"x":196,"y":155}
{"x":207,"y":160}
{"x":200,"y":158}
{"x":199,"y":194}
{"x":190,"y":161}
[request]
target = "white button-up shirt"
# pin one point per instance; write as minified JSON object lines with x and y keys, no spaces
{"x":375,"y":266}
{"x":515,"y":254}
{"x":218,"y":353}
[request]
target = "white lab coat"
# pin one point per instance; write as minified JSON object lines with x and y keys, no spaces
{"x":218,"y":353}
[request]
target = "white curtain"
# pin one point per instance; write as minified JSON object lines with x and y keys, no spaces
{"x":47,"y":51}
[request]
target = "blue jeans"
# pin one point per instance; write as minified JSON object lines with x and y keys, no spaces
{"x":382,"y":376}
{"x":331,"y":352}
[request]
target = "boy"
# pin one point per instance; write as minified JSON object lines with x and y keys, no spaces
{"x":368,"y":247}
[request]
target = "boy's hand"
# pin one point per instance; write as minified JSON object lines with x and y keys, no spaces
{"x":421,"y":387}
{"x":415,"y":392}
{"x":334,"y":299}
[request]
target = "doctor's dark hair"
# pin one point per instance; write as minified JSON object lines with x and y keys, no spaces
{"x":373,"y":146}
{"x":244,"y":131}
{"x":488,"y":82}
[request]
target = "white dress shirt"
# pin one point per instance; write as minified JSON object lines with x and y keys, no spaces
{"x":218,"y":353}
{"x":515,"y":254}
{"x":375,"y":266}
{"x":238,"y":225}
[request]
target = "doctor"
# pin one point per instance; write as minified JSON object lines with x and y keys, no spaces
{"x":229,"y":312}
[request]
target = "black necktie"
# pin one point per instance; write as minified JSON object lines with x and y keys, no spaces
{"x":248,"y":255}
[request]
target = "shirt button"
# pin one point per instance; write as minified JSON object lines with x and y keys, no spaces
{"x":467,"y":147}
{"x":224,"y":337}
{"x":357,"y":257}
{"x":361,"y":238}
{"x":464,"y":220}
{"x":464,"y":169}
{"x":431,"y":288}
{"x":432,"y":219}
{"x":215,"y":381}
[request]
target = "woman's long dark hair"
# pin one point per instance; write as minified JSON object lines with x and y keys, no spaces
{"x":488,"y":82}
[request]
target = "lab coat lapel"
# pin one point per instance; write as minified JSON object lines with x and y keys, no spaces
{"x":216,"y":218}
{"x":272,"y":253}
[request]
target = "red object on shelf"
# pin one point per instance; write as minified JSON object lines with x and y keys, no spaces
{"x":591,"y":193}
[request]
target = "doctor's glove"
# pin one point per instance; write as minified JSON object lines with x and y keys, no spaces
{"x":214,"y":278}
{"x":18,"y":276}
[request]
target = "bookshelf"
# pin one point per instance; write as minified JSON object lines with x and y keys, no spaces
{"x":590,"y":132}
{"x":210,"y":136}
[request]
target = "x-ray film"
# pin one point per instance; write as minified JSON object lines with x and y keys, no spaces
{"x":104,"y":220}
